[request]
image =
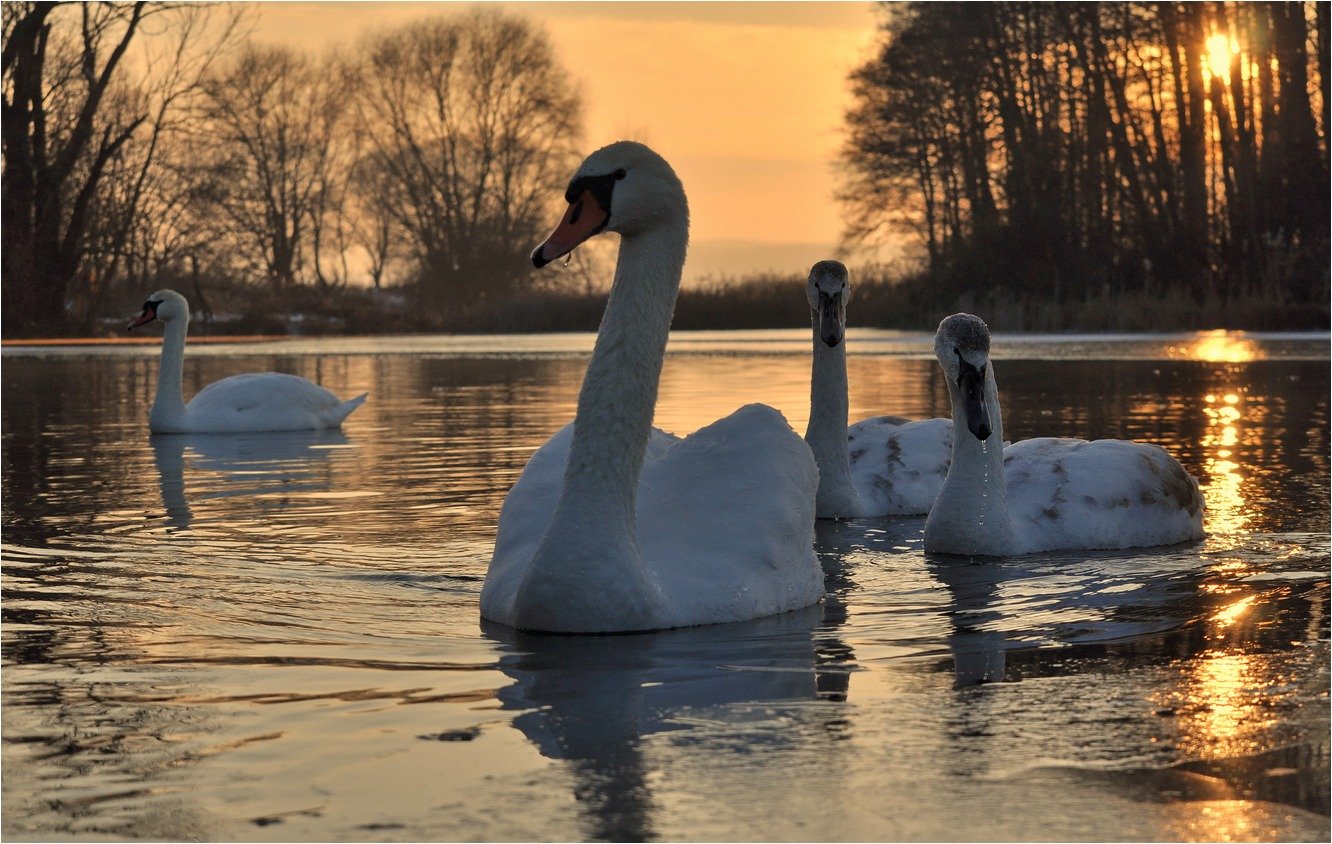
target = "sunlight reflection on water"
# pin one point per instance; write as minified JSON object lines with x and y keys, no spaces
{"x":1221,"y":347}
{"x":277,"y":636}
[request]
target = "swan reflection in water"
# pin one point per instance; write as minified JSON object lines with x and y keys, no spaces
{"x":1055,"y":600}
{"x":245,"y":464}
{"x":978,"y":648}
{"x":593,"y":700}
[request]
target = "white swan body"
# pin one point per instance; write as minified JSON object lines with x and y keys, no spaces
{"x":617,"y":526}
{"x":1045,"y":494}
{"x":248,"y":403}
{"x":883,"y":466}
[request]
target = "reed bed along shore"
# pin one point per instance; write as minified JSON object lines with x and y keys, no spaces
{"x":880,"y":299}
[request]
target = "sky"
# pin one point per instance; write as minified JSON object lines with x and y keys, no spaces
{"x":745,"y":99}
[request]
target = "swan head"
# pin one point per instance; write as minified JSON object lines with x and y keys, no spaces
{"x":828,"y":289}
{"x":624,"y":187}
{"x":962,"y":345}
{"x":165,"y":305}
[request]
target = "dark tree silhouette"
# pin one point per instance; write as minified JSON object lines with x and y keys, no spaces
{"x":1060,"y":152}
{"x":83,"y":142}
{"x":473,"y":126}
{"x":55,"y":151}
{"x":273,"y":127}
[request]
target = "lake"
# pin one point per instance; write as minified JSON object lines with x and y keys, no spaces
{"x":276,"y":637}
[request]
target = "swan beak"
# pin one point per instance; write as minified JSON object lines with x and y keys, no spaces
{"x":831,"y":328}
{"x":148,"y":315}
{"x":972,"y":383}
{"x":584,"y":218}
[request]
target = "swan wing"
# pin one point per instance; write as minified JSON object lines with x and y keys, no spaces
{"x":726,"y":520}
{"x":266,"y":401}
{"x":1069,"y":493}
{"x":898,"y":466}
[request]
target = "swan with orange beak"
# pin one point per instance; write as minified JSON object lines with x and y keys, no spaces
{"x":589,"y":212}
{"x":616,"y":525}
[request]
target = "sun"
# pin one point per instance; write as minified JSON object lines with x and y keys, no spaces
{"x":1220,"y":49}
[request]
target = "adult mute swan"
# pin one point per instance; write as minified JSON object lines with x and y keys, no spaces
{"x":1047,"y":493}
{"x":615,"y":525}
{"x":253,"y":402}
{"x":882,"y":466}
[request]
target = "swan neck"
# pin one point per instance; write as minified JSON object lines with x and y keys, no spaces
{"x":970,"y":516}
{"x":169,"y":404}
{"x":619,"y":392}
{"x":826,"y":434}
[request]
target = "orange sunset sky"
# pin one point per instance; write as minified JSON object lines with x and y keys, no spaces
{"x":745,"y":99}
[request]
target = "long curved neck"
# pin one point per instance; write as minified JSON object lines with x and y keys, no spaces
{"x":169,"y":405}
{"x":616,"y":404}
{"x":619,"y":393}
{"x":826,"y":433}
{"x":970,"y":516}
{"x":587,"y":563}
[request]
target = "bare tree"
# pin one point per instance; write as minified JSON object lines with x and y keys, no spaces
{"x":270,"y":126}
{"x":474,"y":124}
{"x":55,"y":153}
{"x":90,"y":93}
{"x":139,"y":227}
{"x":371,"y":224}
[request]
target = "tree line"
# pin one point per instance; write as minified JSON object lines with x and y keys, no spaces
{"x":1053,"y":160}
{"x":150,"y":144}
{"x":1069,"y":152}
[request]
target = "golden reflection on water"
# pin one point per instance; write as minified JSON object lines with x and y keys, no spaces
{"x":1227,"y":510}
{"x":697,"y":391}
{"x":1224,"y":488}
{"x":1222,"y":714}
{"x":1219,"y":346}
{"x":1229,"y":615}
{"x":291,"y":609}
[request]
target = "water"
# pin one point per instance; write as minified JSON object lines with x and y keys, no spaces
{"x":276,"y":637}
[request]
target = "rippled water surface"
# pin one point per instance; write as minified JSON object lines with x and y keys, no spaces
{"x":276,"y":637}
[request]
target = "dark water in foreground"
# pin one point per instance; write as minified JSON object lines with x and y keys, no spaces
{"x":276,"y":637}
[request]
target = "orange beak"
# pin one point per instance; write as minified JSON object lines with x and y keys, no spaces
{"x":584,"y":218}
{"x":148,"y":315}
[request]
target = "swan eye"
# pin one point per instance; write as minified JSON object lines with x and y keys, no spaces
{"x":619,"y":174}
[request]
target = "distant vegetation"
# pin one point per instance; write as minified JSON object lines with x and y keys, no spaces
{"x":1061,"y":166}
{"x":882,"y":297}
{"x":149,"y":142}
{"x":1167,"y":162}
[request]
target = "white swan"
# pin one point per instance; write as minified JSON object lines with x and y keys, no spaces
{"x":253,"y":402}
{"x":1045,"y":494}
{"x":883,"y":466}
{"x":615,"y":525}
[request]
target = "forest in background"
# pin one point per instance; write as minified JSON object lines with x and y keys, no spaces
{"x":1057,"y":155}
{"x":1061,"y":166}
{"x":149,"y":145}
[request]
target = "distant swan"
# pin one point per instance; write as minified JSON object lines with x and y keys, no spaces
{"x":883,"y":466}
{"x":615,"y":525}
{"x":1045,"y":494}
{"x":253,"y":402}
